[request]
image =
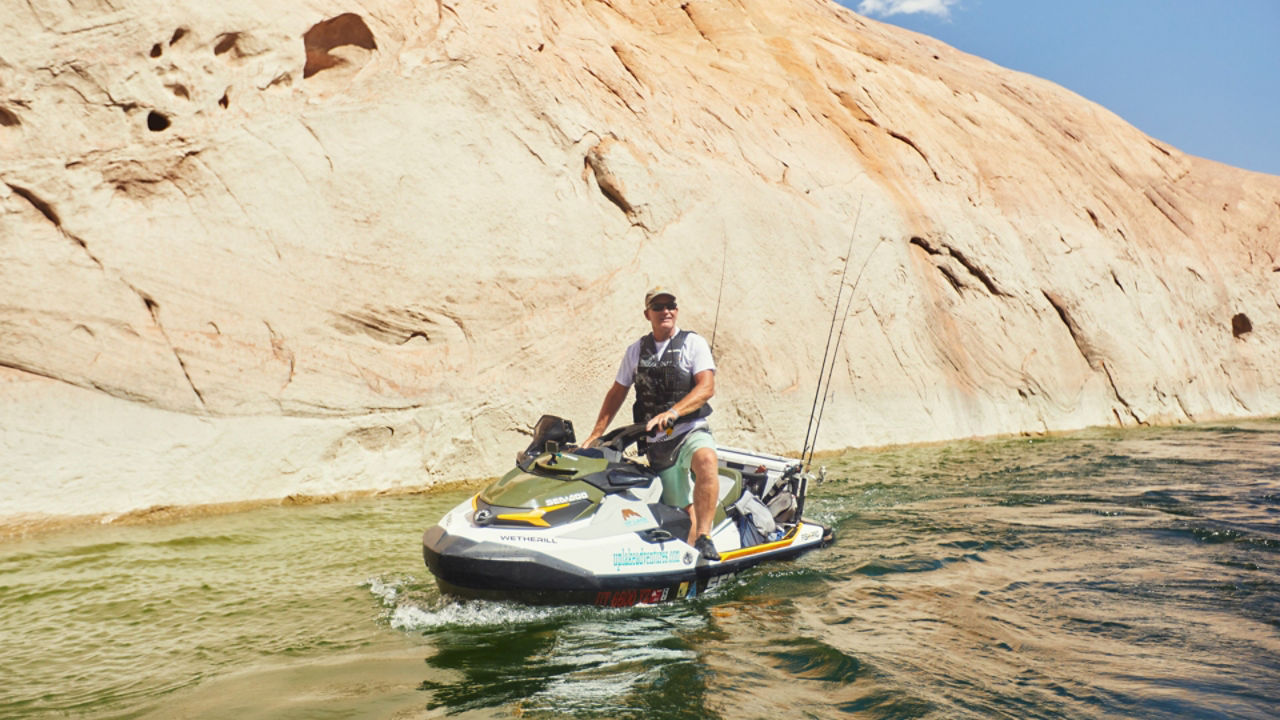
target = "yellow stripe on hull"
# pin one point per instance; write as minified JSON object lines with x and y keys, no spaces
{"x":756,"y":549}
{"x":534,"y":516}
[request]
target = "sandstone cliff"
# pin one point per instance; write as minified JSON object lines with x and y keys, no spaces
{"x":251,"y":251}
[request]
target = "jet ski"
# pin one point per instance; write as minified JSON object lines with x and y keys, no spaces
{"x":573,"y":525}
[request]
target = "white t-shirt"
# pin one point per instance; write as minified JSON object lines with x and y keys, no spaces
{"x":695,"y":356}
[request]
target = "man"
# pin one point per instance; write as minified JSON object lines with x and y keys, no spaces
{"x":674,"y":376}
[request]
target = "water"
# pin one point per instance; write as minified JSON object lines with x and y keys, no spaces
{"x":1109,"y":574}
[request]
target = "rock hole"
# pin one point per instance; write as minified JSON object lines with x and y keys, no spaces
{"x":156,"y":121}
{"x":180,"y":90}
{"x":156,"y":50}
{"x":283,"y":79}
{"x":225,"y":100}
{"x":345,"y":29}
{"x":225,"y":43}
{"x":1240,"y":325}
{"x":922,"y":244}
{"x":177,"y":35}
{"x":608,"y":185}
{"x":8,"y":119}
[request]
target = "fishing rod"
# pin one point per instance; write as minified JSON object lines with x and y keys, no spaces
{"x":832,"y":370}
{"x":830,"y":332}
{"x":724,"y":260}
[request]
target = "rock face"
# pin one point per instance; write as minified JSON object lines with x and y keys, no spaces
{"x":334,"y":246}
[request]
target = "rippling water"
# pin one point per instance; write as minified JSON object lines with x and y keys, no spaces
{"x":1116,"y":574}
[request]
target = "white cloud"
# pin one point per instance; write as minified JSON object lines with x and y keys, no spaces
{"x":885,"y":8}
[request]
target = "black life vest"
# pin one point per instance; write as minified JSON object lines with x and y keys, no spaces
{"x":660,"y":381}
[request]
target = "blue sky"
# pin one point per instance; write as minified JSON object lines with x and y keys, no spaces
{"x":1203,"y":77}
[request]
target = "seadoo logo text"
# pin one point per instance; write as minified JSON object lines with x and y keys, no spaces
{"x":565,"y":499}
{"x":632,"y":558}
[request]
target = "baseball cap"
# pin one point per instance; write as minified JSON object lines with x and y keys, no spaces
{"x":657,"y":291}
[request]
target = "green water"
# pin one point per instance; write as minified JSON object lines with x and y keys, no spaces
{"x":1104,"y":574}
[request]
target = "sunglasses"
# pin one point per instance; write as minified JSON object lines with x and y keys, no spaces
{"x":659,"y":307}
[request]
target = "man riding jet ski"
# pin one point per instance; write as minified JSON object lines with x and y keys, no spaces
{"x":587,"y":526}
{"x":592,"y":525}
{"x":675,"y":377}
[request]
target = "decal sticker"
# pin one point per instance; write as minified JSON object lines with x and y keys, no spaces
{"x":566,"y":499}
{"x":631,"y":558}
{"x":627,"y":598}
{"x":527,"y":538}
{"x":631,"y":518}
{"x":652,"y":597}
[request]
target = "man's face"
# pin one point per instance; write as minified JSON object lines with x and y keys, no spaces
{"x":661,"y":313}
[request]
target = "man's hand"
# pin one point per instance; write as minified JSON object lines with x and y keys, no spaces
{"x":662,"y":421}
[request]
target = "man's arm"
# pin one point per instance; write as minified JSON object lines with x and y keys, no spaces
{"x":704,"y":387}
{"x":612,"y":401}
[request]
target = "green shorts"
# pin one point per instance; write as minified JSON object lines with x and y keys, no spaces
{"x":677,"y":480}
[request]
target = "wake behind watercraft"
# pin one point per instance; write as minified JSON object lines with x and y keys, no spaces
{"x":585,"y":526}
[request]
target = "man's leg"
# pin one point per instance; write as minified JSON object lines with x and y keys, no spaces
{"x":706,"y":491}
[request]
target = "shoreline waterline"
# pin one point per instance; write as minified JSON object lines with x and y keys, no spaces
{"x":15,"y":528}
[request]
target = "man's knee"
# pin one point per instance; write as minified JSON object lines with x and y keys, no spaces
{"x":705,"y":462}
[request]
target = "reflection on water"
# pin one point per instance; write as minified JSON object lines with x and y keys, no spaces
{"x":613,"y":664}
{"x":1107,"y":574}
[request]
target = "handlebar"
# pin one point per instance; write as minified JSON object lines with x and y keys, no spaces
{"x":619,"y":439}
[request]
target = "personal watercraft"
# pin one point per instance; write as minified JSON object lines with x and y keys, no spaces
{"x":573,"y":525}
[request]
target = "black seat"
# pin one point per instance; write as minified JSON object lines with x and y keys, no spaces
{"x":622,"y":478}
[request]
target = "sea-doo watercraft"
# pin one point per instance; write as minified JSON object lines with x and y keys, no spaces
{"x":585,"y":526}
